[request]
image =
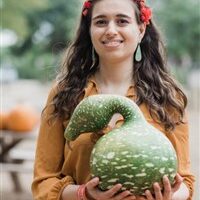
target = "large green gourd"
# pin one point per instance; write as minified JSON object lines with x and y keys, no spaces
{"x":135,"y":155}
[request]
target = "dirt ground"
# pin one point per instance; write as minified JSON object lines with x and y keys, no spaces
{"x":35,"y":94}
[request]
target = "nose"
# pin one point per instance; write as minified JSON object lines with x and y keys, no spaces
{"x":111,"y":30}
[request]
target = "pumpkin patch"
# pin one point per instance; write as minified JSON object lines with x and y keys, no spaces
{"x":21,"y":118}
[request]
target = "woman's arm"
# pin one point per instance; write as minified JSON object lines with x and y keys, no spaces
{"x":48,"y":178}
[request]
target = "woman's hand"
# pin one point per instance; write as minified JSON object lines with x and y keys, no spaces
{"x":93,"y":193}
{"x":168,"y":191}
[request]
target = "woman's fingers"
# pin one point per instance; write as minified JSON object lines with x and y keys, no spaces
{"x":177,"y":184}
{"x":122,"y":195}
{"x":149,"y":196}
{"x":157,"y":190}
{"x":92,"y":183}
{"x":111,"y":192}
{"x":141,"y":198}
{"x":167,"y":188}
{"x":92,"y":191}
{"x":91,"y":187}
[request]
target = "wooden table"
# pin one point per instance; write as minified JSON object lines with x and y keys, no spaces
{"x":15,"y":164}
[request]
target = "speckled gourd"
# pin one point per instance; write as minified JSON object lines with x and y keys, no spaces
{"x":135,"y":155}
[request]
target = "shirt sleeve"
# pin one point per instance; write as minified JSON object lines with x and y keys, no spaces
{"x":49,"y":181}
{"x":180,"y":140}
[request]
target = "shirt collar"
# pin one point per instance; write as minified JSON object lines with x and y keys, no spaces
{"x":131,"y":93}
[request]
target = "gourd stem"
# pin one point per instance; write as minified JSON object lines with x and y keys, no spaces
{"x":95,"y":112}
{"x":127,"y":108}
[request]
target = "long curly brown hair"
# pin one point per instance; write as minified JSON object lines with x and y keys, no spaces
{"x":154,"y":85}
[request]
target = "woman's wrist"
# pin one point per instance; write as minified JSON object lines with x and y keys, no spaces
{"x":70,"y":192}
{"x":75,"y":192}
{"x":81,"y":193}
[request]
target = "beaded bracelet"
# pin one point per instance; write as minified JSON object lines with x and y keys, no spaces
{"x":81,"y":193}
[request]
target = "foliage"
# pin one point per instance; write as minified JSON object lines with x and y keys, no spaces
{"x":180,"y":21}
{"x":44,"y":28}
{"x":14,"y":14}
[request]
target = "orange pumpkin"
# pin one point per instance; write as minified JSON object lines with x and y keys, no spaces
{"x":22,"y":118}
{"x":3,"y":121}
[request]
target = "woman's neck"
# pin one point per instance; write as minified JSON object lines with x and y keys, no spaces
{"x":114,"y":77}
{"x":116,"y":73}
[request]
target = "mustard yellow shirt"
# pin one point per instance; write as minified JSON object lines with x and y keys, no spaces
{"x":56,"y":166}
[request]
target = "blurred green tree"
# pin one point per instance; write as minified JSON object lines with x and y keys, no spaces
{"x":47,"y":23}
{"x":180,"y":22}
{"x":44,"y":29}
{"x":14,"y":14}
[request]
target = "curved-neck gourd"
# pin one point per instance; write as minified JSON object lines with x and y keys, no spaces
{"x":135,"y":154}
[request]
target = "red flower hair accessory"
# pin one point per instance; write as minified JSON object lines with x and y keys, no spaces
{"x":87,"y":5}
{"x":145,"y":12}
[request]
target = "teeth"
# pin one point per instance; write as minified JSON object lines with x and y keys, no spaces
{"x":112,"y":42}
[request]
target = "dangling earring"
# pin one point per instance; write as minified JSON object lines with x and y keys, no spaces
{"x":93,"y":58}
{"x":138,"y":54}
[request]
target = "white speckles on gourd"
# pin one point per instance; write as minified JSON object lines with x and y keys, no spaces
{"x":123,"y":188}
{"x":135,"y":155}
{"x":172,"y":175}
{"x":144,"y":188}
{"x":141,"y":175}
{"x":164,"y":159}
{"x":149,"y":164}
{"x":129,"y":183}
{"x":154,"y":147}
{"x":114,"y":180}
{"x":124,"y":152}
{"x":134,"y":167}
{"x":162,"y":170}
{"x":121,"y":167}
{"x":128,"y":175}
{"x":114,"y":163}
{"x":170,"y":169}
{"x":105,"y":161}
{"x":109,"y":187}
{"x":144,"y":156}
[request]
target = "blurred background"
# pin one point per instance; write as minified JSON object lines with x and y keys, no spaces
{"x":33,"y":36}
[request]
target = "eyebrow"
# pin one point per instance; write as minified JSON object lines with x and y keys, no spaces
{"x":118,"y":15}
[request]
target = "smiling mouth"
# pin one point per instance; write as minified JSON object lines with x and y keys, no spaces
{"x":112,"y":43}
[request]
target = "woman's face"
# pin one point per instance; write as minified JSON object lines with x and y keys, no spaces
{"x":114,"y":30}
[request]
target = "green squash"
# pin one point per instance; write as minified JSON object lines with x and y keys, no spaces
{"x":135,"y":155}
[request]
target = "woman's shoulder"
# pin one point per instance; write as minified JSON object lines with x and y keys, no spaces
{"x":55,"y":88}
{"x":90,"y":88}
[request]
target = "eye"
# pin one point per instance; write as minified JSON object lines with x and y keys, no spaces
{"x":101,"y":22}
{"x":122,"y":22}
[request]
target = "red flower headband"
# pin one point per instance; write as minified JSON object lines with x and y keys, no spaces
{"x":145,"y":12}
{"x":87,"y":5}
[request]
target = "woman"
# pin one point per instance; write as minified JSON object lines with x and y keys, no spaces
{"x":117,"y":51}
